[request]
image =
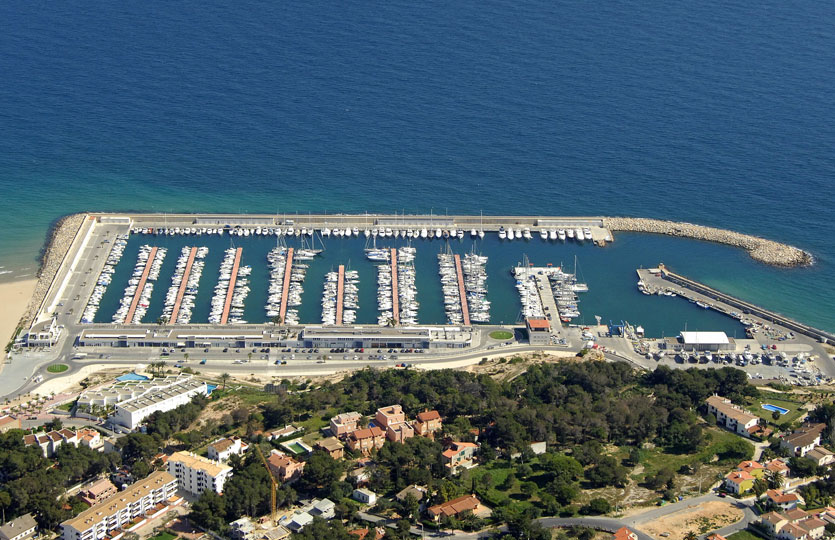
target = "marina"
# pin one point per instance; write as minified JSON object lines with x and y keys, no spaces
{"x":548,"y":292}
{"x":141,"y":285}
{"x":230,"y":287}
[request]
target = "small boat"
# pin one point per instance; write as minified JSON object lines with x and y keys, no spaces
{"x":502,"y":233}
{"x":543,"y":234}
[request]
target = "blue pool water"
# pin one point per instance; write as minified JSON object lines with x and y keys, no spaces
{"x":772,"y":408}
{"x":211,"y":387}
{"x":131,"y":377}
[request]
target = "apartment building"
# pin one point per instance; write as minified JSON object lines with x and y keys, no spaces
{"x":197,"y":474}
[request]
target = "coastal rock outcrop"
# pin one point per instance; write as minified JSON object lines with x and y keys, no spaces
{"x":760,"y":249}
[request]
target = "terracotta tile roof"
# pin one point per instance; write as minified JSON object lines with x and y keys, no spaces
{"x":623,"y":534}
{"x":366,"y":433}
{"x":795,"y":514}
{"x":793,"y":530}
{"x":779,"y":497}
{"x":811,"y":524}
{"x":426,"y":416}
{"x":777,"y":465}
{"x":773,"y":517}
{"x":730,"y":410}
{"x":455,"y":506}
{"x":737,"y":477}
{"x":541,"y":324}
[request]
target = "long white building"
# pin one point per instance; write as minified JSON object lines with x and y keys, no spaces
{"x":162,"y":395}
{"x":140,"y":499}
{"x":196,"y":474}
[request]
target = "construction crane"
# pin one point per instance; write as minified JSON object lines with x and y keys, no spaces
{"x":272,"y":479}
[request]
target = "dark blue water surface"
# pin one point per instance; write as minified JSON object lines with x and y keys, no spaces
{"x":713,"y":112}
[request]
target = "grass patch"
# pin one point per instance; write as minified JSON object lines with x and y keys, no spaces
{"x":501,"y":334}
{"x":57,"y":368}
{"x":779,"y":400}
{"x":744,"y":534}
{"x":163,"y":536}
{"x":656,"y":459}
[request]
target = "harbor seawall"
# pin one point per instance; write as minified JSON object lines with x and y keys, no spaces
{"x":760,"y":249}
{"x":60,"y":237}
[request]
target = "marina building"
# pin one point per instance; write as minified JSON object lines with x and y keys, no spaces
{"x":705,"y":341}
{"x":376,"y":337}
{"x":162,"y":395}
{"x":109,"y":517}
{"x":197,"y":474}
{"x":539,"y":331}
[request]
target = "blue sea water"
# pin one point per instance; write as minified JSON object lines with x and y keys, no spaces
{"x":713,"y":112}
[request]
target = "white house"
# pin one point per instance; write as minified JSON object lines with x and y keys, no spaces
{"x":364,"y":496}
{"x":221,"y":449}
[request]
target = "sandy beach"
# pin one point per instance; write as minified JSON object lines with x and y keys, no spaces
{"x":14,"y":297}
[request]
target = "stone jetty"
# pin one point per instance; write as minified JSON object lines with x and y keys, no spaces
{"x":61,"y":237}
{"x":760,"y":249}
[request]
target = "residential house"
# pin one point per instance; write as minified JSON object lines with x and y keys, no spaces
{"x":22,"y":528}
{"x":90,"y":438}
{"x":299,"y":521}
{"x":415,"y":491}
{"x":359,"y":476}
{"x":366,"y":534}
{"x":428,"y":423}
{"x":624,"y":534}
{"x":778,"y":466}
{"x":324,"y":508}
{"x":539,"y":448}
{"x":367,"y":439}
{"x":284,"y":468}
{"x":365,"y":496}
{"x":792,"y":524}
{"x":221,"y":449}
{"x":821,"y":456}
{"x":784,"y":501}
{"x":752,"y":467}
{"x":455,"y":507}
{"x":738,"y":482}
{"x":459,"y":455}
{"x":98,"y":490}
{"x":332,"y":446}
{"x":388,"y":416}
{"x":399,"y":432}
{"x":343,"y":424}
{"x":716,"y":536}
{"x":242,"y":529}
{"x":49,"y":442}
{"x":731,"y":416}
{"x":280,"y":433}
{"x":9,"y":422}
{"x":197,"y":474}
{"x":801,"y":441}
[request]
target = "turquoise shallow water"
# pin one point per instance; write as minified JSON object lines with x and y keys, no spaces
{"x":716,"y":113}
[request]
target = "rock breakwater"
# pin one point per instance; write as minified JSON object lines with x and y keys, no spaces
{"x":760,"y":249}
{"x":61,"y":237}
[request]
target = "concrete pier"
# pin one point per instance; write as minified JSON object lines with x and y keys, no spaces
{"x":340,"y":291}
{"x":285,"y":288}
{"x":182,"y":290}
{"x":141,"y":285}
{"x":231,"y":290}
{"x":395,"y":298}
{"x":549,"y":304}
{"x":462,"y":291}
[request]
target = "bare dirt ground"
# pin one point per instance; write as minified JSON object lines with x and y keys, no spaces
{"x":508,"y":370}
{"x":704,"y":518}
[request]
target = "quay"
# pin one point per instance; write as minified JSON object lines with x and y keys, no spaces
{"x":340,"y":292}
{"x":462,"y":291}
{"x":395,"y":299}
{"x":231,"y":290}
{"x":549,"y":304}
{"x":660,"y":279}
{"x":141,"y":286}
{"x":183,"y":285}
{"x":285,"y":288}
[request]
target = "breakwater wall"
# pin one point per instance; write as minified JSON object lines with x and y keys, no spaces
{"x":760,"y":249}
{"x":60,"y":237}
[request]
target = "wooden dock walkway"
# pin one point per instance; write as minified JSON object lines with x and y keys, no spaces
{"x":182,"y":290}
{"x":462,"y":291}
{"x":395,"y":298}
{"x":231,"y":290}
{"x":340,"y":291}
{"x":285,"y":289}
{"x":141,"y":285}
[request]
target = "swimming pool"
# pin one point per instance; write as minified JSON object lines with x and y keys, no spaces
{"x":774,"y":408}
{"x":131,"y":377}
